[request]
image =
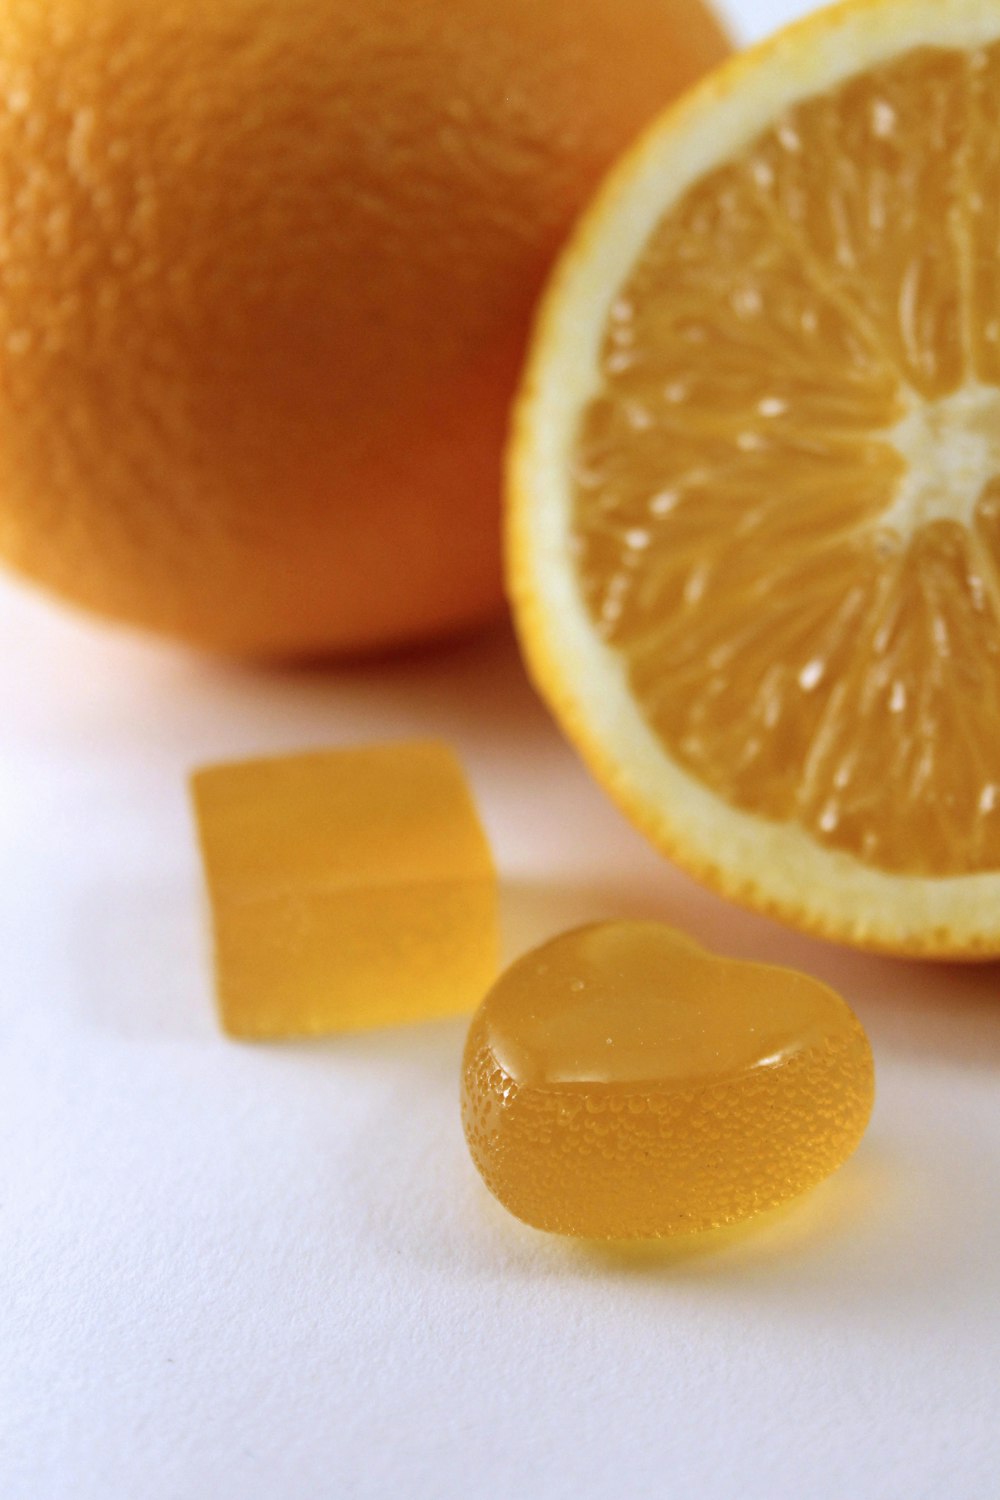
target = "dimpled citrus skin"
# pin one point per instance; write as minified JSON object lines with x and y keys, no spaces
{"x":266,"y":270}
{"x":619,"y":1082}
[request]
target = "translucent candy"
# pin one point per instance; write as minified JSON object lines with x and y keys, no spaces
{"x":620,"y":1081}
{"x":348,"y":889}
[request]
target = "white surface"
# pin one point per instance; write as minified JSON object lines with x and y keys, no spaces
{"x":271,"y":1273}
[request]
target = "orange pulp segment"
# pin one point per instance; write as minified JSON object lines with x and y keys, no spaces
{"x":803,"y":579}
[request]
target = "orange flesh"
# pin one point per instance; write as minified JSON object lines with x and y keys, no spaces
{"x":801,"y":578}
{"x":622,"y":1082}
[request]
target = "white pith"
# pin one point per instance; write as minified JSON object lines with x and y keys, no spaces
{"x":951,"y":449}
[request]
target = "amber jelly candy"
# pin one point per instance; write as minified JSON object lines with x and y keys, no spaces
{"x":620,"y":1081}
{"x":348,"y":888}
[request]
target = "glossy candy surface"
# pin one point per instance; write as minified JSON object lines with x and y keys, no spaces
{"x":350,"y":888}
{"x":620,"y":1081}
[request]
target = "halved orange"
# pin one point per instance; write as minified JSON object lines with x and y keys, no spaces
{"x":754,"y":520}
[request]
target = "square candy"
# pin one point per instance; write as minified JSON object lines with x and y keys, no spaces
{"x":348,"y":888}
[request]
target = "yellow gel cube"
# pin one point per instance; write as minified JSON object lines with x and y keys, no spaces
{"x":348,"y":888}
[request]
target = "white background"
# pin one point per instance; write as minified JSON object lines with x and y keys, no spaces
{"x":270,"y":1272}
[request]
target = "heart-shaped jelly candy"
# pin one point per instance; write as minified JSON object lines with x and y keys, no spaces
{"x":621,"y":1081}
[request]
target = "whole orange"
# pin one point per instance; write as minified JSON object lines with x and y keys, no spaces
{"x":266,"y":272}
